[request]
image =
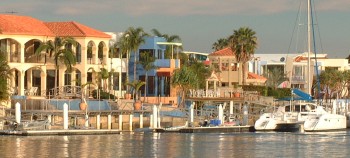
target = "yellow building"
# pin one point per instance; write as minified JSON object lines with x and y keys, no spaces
{"x":34,"y":75}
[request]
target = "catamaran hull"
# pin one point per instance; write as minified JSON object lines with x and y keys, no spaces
{"x":265,"y":125}
{"x":325,"y":122}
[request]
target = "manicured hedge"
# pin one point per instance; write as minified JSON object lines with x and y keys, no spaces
{"x":269,"y":91}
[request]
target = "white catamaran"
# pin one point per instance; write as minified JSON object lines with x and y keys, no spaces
{"x":309,"y":116}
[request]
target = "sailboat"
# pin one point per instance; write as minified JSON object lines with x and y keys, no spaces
{"x":287,"y":117}
{"x":310,"y":116}
{"x":320,"y":119}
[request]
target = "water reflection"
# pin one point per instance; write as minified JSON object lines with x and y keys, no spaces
{"x":271,"y":144}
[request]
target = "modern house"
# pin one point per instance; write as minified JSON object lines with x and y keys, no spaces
{"x":295,"y":66}
{"x":158,"y":80}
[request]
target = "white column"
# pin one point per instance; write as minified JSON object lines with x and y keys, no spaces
{"x":158,"y":113}
{"x":65,"y":116}
{"x":131,"y":116}
{"x":245,"y":114}
{"x":18,"y":113}
{"x":221,"y":114}
{"x":21,"y":83}
{"x":141,"y":120}
{"x":109,"y":121}
{"x":98,"y":122}
{"x":155,"y":116}
{"x":151,"y":121}
{"x":86,"y":120}
{"x":49,"y":119}
{"x":120,"y":122}
{"x":43,"y":84}
{"x":192,"y":113}
{"x":231,"y":111}
{"x":334,"y":109}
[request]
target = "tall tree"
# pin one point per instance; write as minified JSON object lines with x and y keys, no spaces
{"x":220,"y":44}
{"x":168,"y":38}
{"x":243,"y":42}
{"x":147,"y":62}
{"x":134,"y":40}
{"x":123,"y":46}
{"x":4,"y":76}
{"x":60,"y":49}
{"x":331,"y":81}
{"x":201,"y":72}
{"x":185,"y":79}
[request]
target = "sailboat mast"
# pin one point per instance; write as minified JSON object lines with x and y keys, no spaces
{"x":309,"y":81}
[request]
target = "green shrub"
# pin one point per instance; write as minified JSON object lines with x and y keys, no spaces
{"x":268,"y":91}
{"x":103,"y":95}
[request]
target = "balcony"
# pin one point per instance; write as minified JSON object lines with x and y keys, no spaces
{"x":167,"y":63}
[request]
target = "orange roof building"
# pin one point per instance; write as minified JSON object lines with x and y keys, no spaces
{"x":228,"y":69}
{"x":20,"y":36}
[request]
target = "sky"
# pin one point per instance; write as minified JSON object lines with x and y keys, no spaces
{"x":200,"y":23}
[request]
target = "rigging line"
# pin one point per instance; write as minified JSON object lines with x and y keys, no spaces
{"x":318,"y":29}
{"x":315,"y":51}
{"x":296,"y":25}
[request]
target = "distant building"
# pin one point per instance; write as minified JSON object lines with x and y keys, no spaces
{"x":228,"y":69}
{"x":295,"y":66}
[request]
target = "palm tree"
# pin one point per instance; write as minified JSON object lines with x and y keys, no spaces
{"x":4,"y":76}
{"x":168,"y":38}
{"x":243,"y":42}
{"x":147,"y":62}
{"x":275,"y":76}
{"x":102,"y":76}
{"x":123,"y":45}
{"x":136,"y":85}
{"x":61,"y":51}
{"x":134,"y":40}
{"x":220,"y":44}
{"x":184,"y":78}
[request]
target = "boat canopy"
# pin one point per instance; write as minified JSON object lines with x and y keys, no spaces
{"x":297,"y":94}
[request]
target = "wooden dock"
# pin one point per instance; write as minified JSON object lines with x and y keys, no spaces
{"x":216,"y":129}
{"x":59,"y":132}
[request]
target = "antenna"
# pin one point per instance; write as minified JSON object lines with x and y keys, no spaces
{"x":10,"y":12}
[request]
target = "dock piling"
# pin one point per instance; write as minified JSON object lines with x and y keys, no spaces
{"x":109,"y":121}
{"x":18,"y":112}
{"x":131,"y":116}
{"x":65,"y":116}
{"x":98,"y":121}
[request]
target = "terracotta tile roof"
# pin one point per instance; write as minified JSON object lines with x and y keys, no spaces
{"x":255,"y":76}
{"x":23,"y":25}
{"x":74,"y":29}
{"x":223,"y":52}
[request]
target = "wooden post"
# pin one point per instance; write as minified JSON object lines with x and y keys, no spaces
{"x":120,"y":120}
{"x":98,"y":121}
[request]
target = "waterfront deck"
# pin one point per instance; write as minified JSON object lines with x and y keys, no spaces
{"x":59,"y":132}
{"x":216,"y":129}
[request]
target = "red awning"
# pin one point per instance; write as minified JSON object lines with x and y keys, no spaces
{"x":163,"y":73}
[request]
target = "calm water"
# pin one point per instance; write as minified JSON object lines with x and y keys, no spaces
{"x":213,"y":145}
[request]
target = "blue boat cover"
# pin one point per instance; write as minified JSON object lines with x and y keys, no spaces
{"x":300,"y":95}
